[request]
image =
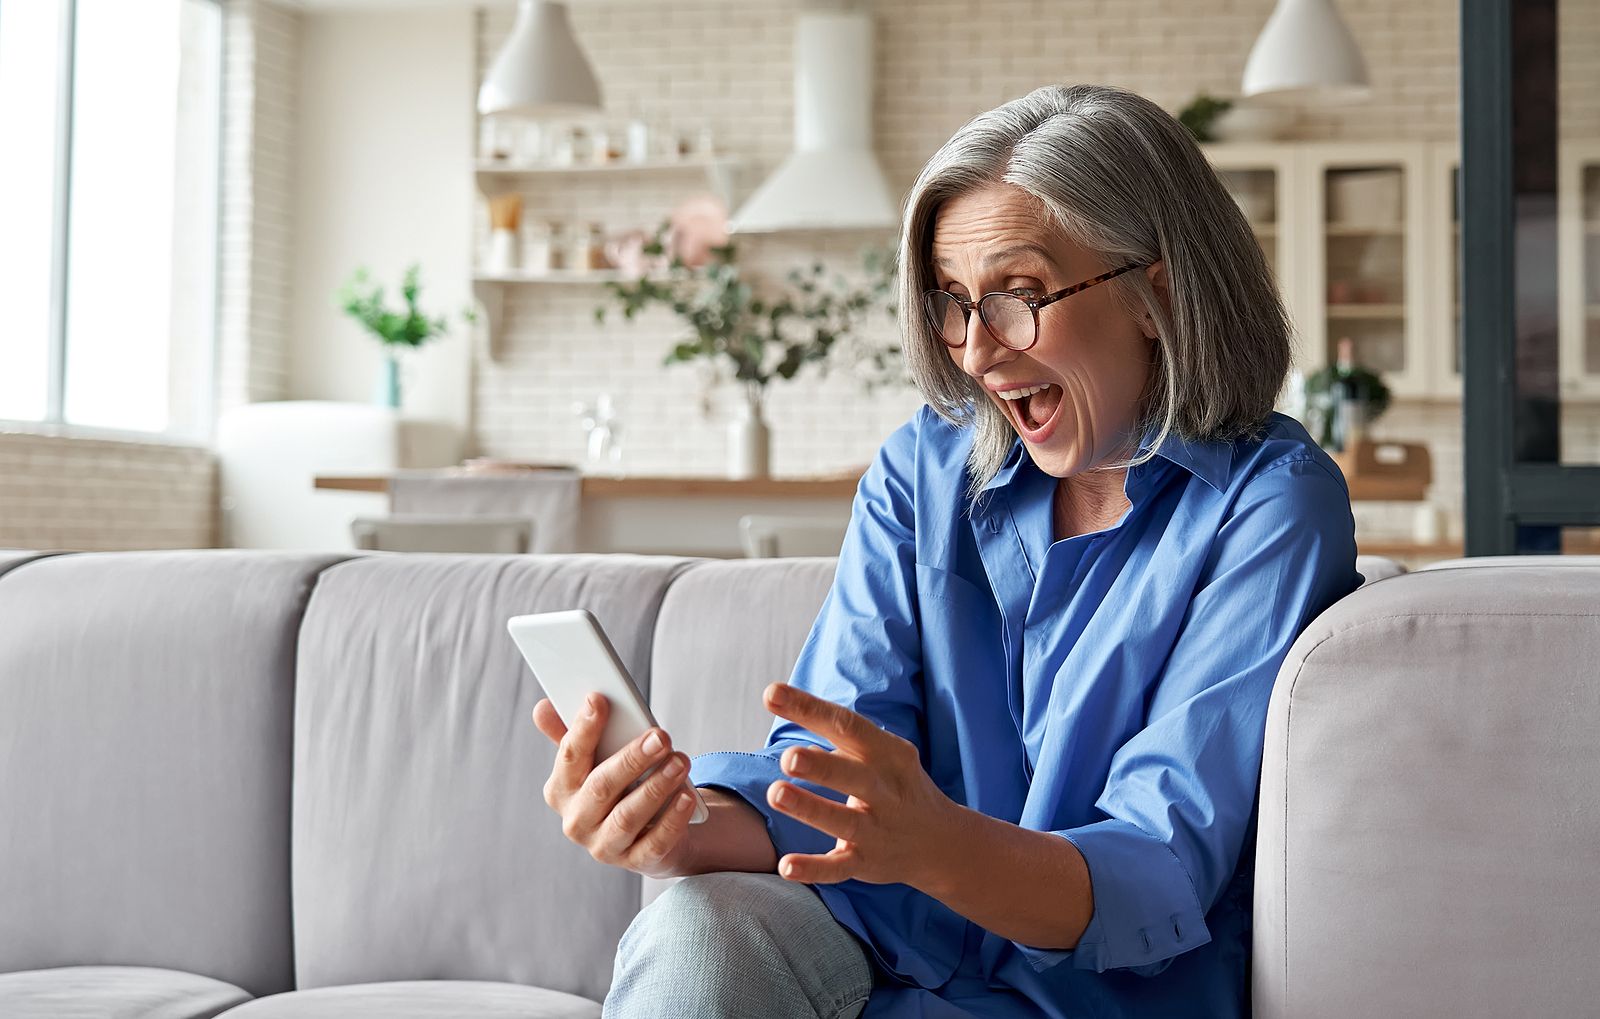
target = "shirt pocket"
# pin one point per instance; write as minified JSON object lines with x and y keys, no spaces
{"x":942,"y":585}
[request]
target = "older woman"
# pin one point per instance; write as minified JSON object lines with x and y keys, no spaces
{"x":1014,"y":772}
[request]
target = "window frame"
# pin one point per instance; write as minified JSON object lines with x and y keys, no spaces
{"x":54,"y":422}
{"x":1504,"y":494}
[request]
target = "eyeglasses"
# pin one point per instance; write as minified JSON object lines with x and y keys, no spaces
{"x":1013,"y":321}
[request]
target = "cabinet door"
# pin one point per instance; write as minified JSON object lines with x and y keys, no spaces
{"x":1367,"y":259}
{"x":1261,"y":179}
{"x":1578,"y":228}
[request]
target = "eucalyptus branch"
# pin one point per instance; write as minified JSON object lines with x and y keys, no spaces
{"x":759,"y":337}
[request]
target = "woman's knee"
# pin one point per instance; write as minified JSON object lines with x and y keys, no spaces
{"x":706,"y":910}
{"x":731,"y":933}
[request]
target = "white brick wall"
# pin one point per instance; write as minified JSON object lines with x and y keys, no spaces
{"x":262,"y":39}
{"x":104,"y":494}
{"x":938,"y":62}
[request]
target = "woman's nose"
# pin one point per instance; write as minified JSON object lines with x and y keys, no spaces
{"x":982,"y":352}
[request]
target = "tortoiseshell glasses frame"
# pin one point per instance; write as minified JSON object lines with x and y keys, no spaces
{"x":1001,"y":312}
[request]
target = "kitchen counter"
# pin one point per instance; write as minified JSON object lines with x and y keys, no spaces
{"x":600,"y":487}
{"x":664,"y":515}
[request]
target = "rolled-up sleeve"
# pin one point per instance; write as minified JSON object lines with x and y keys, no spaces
{"x":1180,"y":795}
{"x":863,"y":651}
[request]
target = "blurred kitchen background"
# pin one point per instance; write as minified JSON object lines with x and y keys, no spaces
{"x":189,"y":357}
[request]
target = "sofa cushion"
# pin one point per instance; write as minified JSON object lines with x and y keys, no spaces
{"x":423,"y":848}
{"x":146,"y":706}
{"x":421,"y":999}
{"x":1428,"y":800}
{"x":114,"y":992}
{"x":727,"y":629}
{"x":11,"y":558}
{"x":1374,"y":568}
{"x":1567,"y":562}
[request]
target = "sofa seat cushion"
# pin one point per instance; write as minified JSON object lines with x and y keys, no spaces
{"x":421,"y":999}
{"x":114,"y":992}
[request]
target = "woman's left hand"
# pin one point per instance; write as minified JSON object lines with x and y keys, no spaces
{"x":894,"y":813}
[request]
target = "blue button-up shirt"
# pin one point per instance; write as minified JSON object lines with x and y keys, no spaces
{"x":1110,"y":688}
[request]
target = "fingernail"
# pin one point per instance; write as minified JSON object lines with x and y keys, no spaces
{"x":796,"y":764}
{"x":652,"y":742}
{"x":673,"y":767}
{"x":589,"y":707}
{"x":780,"y":693}
{"x":683,"y":801}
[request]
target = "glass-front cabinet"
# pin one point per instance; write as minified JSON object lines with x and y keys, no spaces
{"x":1365,"y":238}
{"x":1367,"y":259}
{"x":1261,"y":178}
{"x":1578,"y":227}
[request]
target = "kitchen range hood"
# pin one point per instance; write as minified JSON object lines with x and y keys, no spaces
{"x":832,"y":181}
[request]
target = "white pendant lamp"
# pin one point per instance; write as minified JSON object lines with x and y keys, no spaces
{"x":1306,"y":47}
{"x":541,"y":71}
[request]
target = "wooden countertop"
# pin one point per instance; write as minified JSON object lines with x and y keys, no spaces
{"x":597,"y":487}
{"x":646,"y":487}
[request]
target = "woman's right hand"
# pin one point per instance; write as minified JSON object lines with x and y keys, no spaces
{"x":595,"y":813}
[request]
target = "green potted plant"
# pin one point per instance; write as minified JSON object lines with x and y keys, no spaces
{"x":1200,"y":116}
{"x":399,"y":330}
{"x":1343,"y":398}
{"x":755,"y":334}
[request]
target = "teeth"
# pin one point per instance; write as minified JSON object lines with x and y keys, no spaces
{"x":1017,"y":394}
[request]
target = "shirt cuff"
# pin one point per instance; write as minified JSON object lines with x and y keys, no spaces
{"x":749,"y":775}
{"x":1145,"y":908}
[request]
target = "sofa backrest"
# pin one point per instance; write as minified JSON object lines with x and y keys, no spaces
{"x":1430,"y":803}
{"x":726,"y":630}
{"x":422,"y":845}
{"x":146,"y":703}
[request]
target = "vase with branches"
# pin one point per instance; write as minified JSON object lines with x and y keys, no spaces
{"x":754,"y":333}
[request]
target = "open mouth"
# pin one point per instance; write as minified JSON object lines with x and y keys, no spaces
{"x":1034,"y":408}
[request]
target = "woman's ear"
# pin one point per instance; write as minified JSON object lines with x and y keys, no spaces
{"x":1156,"y":273}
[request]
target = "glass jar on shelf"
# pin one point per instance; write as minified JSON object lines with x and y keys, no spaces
{"x":558,"y":246}
{"x":582,"y":146}
{"x":536,"y":248}
{"x":599,"y":146}
{"x":578,"y":248}
{"x":530,"y":143}
{"x":561,"y":146}
{"x":638,"y":142}
{"x":595,"y":255}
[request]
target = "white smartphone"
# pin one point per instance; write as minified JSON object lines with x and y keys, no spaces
{"x":571,"y":658}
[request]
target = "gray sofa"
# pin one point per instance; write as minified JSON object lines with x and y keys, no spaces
{"x":271,"y":784}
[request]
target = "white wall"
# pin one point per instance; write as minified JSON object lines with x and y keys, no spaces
{"x":384,"y":143}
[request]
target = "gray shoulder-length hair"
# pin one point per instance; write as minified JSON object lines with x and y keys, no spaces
{"x":1120,"y":176}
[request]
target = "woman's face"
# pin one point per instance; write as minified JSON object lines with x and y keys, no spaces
{"x":1092,"y":356}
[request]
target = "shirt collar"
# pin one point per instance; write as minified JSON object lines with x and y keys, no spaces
{"x":1210,"y":461}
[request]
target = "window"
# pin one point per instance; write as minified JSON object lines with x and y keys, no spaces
{"x":108,"y":212}
{"x":1531,"y":275}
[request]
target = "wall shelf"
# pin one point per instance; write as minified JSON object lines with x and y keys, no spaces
{"x":500,"y":167}
{"x":495,"y":177}
{"x":591,"y":276}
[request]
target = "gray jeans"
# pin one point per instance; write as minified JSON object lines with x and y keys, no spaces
{"x":730,"y":945}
